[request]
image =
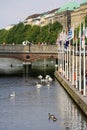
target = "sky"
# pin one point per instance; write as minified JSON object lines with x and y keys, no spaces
{"x":15,"y":11}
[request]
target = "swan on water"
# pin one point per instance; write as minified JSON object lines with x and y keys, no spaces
{"x":48,"y":78}
{"x":38,"y":85}
{"x":12,"y":94}
{"x":40,"y":76}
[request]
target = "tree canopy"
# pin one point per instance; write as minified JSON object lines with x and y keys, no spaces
{"x":35,"y":34}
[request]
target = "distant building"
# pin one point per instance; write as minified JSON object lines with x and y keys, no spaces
{"x":48,"y":17}
{"x":63,"y":15}
{"x":69,"y":15}
{"x":41,"y":19}
{"x":30,"y":20}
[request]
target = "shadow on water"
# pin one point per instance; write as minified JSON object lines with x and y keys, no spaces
{"x":33,"y":72}
{"x":16,"y":68}
{"x":36,"y":72}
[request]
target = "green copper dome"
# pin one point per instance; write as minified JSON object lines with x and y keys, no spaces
{"x":69,"y":6}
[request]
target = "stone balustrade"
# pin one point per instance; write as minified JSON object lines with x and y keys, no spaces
{"x":26,"y":48}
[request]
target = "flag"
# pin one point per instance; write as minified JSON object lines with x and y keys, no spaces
{"x":70,"y":34}
{"x":66,"y":44}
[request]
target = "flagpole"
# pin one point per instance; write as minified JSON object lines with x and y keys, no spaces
{"x":76,"y":66}
{"x":65,"y":63}
{"x":84,"y":92}
{"x":73,"y":62}
{"x":69,"y":61}
{"x":73,"y":56}
{"x":80,"y":61}
{"x":63,"y":58}
{"x":76,"y":61}
{"x":58,"y":57}
{"x":84,"y":75}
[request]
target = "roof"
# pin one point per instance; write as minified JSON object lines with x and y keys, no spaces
{"x":32,"y":16}
{"x":49,"y":12}
{"x":69,"y":6}
{"x":42,"y":14}
{"x":53,"y":11}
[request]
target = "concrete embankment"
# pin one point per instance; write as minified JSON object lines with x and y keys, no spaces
{"x":80,"y":100}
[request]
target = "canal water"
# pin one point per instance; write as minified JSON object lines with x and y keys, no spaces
{"x":29,"y":108}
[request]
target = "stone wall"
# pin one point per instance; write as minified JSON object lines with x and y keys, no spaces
{"x":73,"y":93}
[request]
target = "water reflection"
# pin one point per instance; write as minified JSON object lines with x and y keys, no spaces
{"x":72,"y":117}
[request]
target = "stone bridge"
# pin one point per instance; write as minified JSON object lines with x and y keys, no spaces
{"x":28,"y":53}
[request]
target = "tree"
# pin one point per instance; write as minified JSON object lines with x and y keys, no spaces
{"x":21,"y":32}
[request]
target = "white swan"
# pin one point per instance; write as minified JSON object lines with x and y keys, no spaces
{"x":42,"y":80}
{"x":40,"y":76}
{"x":12,"y":94}
{"x":48,"y":84}
{"x":48,"y":78}
{"x":38,"y":85}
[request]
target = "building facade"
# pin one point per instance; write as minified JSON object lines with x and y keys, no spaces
{"x":69,"y":15}
{"x":77,"y":16}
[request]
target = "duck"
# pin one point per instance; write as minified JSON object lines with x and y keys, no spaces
{"x":38,"y":85}
{"x":51,"y":116}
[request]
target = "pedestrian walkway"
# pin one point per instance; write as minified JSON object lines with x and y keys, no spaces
{"x":77,"y":96}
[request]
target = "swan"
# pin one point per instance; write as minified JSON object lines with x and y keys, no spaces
{"x":48,"y":84}
{"x":42,"y":80}
{"x":50,"y":79}
{"x":12,"y":94}
{"x":38,"y":85}
{"x":47,"y":76}
{"x":40,"y":76}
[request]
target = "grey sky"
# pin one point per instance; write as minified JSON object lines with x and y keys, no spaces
{"x":14,"y":11}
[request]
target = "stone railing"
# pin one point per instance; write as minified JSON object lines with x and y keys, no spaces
{"x":27,"y":49}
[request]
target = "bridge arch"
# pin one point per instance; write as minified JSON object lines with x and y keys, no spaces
{"x":29,"y":57}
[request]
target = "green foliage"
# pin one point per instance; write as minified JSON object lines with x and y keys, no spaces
{"x":3,"y":35}
{"x":21,"y":32}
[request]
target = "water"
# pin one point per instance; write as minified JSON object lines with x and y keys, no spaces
{"x":29,"y":109}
